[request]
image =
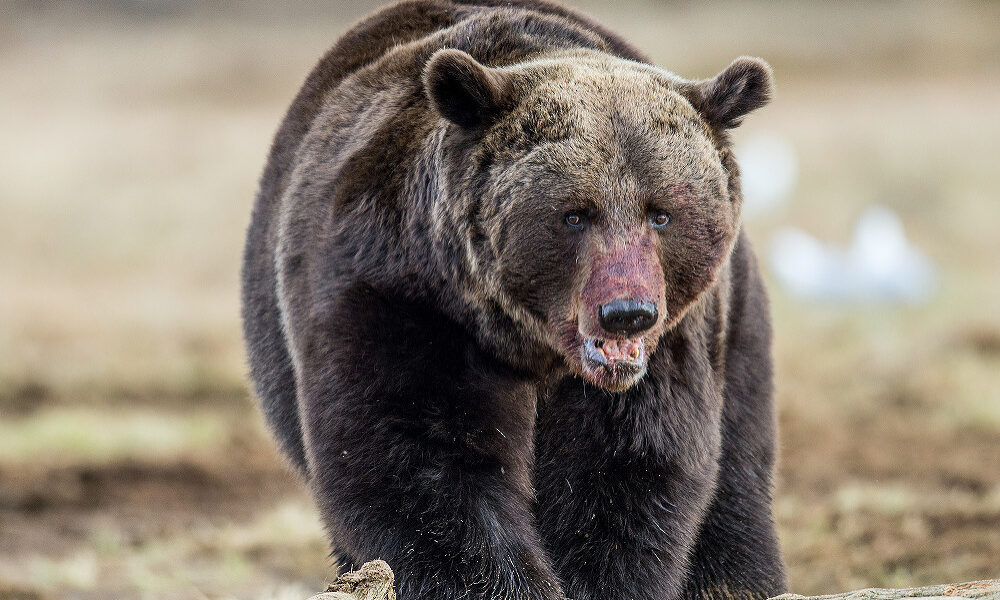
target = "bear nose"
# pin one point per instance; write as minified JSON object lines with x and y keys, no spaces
{"x":626,"y":316}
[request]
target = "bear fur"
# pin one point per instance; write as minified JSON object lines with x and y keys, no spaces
{"x":500,"y":314}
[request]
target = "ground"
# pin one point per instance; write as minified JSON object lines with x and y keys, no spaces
{"x":132,"y":462}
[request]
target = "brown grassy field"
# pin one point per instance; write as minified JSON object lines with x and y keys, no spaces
{"x":132,"y":462}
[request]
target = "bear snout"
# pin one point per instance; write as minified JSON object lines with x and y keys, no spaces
{"x":622,"y":296}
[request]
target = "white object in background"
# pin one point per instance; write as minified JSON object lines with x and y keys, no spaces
{"x":769,"y":168}
{"x":880,"y":264}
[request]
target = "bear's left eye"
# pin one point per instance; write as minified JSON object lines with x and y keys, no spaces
{"x":659,"y":219}
{"x":576,"y":220}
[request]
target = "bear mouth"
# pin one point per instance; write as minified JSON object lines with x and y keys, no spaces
{"x":614,"y":364}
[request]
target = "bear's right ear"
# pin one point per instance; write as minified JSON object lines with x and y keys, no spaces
{"x":464,"y":91}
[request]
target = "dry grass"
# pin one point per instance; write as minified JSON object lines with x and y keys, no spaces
{"x":131,"y":462}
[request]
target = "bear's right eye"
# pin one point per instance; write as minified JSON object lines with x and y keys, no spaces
{"x":576,"y":220}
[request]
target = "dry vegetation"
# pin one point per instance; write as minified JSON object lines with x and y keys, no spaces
{"x":131,"y":461}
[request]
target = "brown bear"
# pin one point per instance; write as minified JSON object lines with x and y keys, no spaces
{"x":500,"y":314}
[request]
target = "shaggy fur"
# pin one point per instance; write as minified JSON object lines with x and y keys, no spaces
{"x":455,"y":198}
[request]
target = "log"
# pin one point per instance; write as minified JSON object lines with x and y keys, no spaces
{"x":374,"y":581}
{"x":988,"y":589}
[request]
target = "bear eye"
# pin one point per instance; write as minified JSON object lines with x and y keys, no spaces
{"x":659,"y":219}
{"x":576,"y":220}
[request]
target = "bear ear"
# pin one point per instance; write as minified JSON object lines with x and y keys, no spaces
{"x":745,"y":85}
{"x":464,"y":91}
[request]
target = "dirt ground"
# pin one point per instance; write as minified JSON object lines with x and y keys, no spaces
{"x":132,"y":461}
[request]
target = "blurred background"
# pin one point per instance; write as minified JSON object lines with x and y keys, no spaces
{"x":132,"y":461}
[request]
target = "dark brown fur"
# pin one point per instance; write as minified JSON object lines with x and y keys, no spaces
{"x":417,"y":302}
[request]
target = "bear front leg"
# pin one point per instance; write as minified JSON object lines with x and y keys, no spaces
{"x":623,"y":480}
{"x":737,"y":555}
{"x":420,"y":452}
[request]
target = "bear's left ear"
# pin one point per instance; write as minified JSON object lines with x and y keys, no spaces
{"x":745,"y":85}
{"x":464,"y":91}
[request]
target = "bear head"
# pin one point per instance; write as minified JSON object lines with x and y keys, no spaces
{"x":597,"y":197}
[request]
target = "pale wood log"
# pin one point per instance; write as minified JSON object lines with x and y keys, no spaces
{"x":374,"y":581}
{"x":978,"y":590}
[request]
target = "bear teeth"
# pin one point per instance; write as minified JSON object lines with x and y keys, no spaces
{"x":617,"y":350}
